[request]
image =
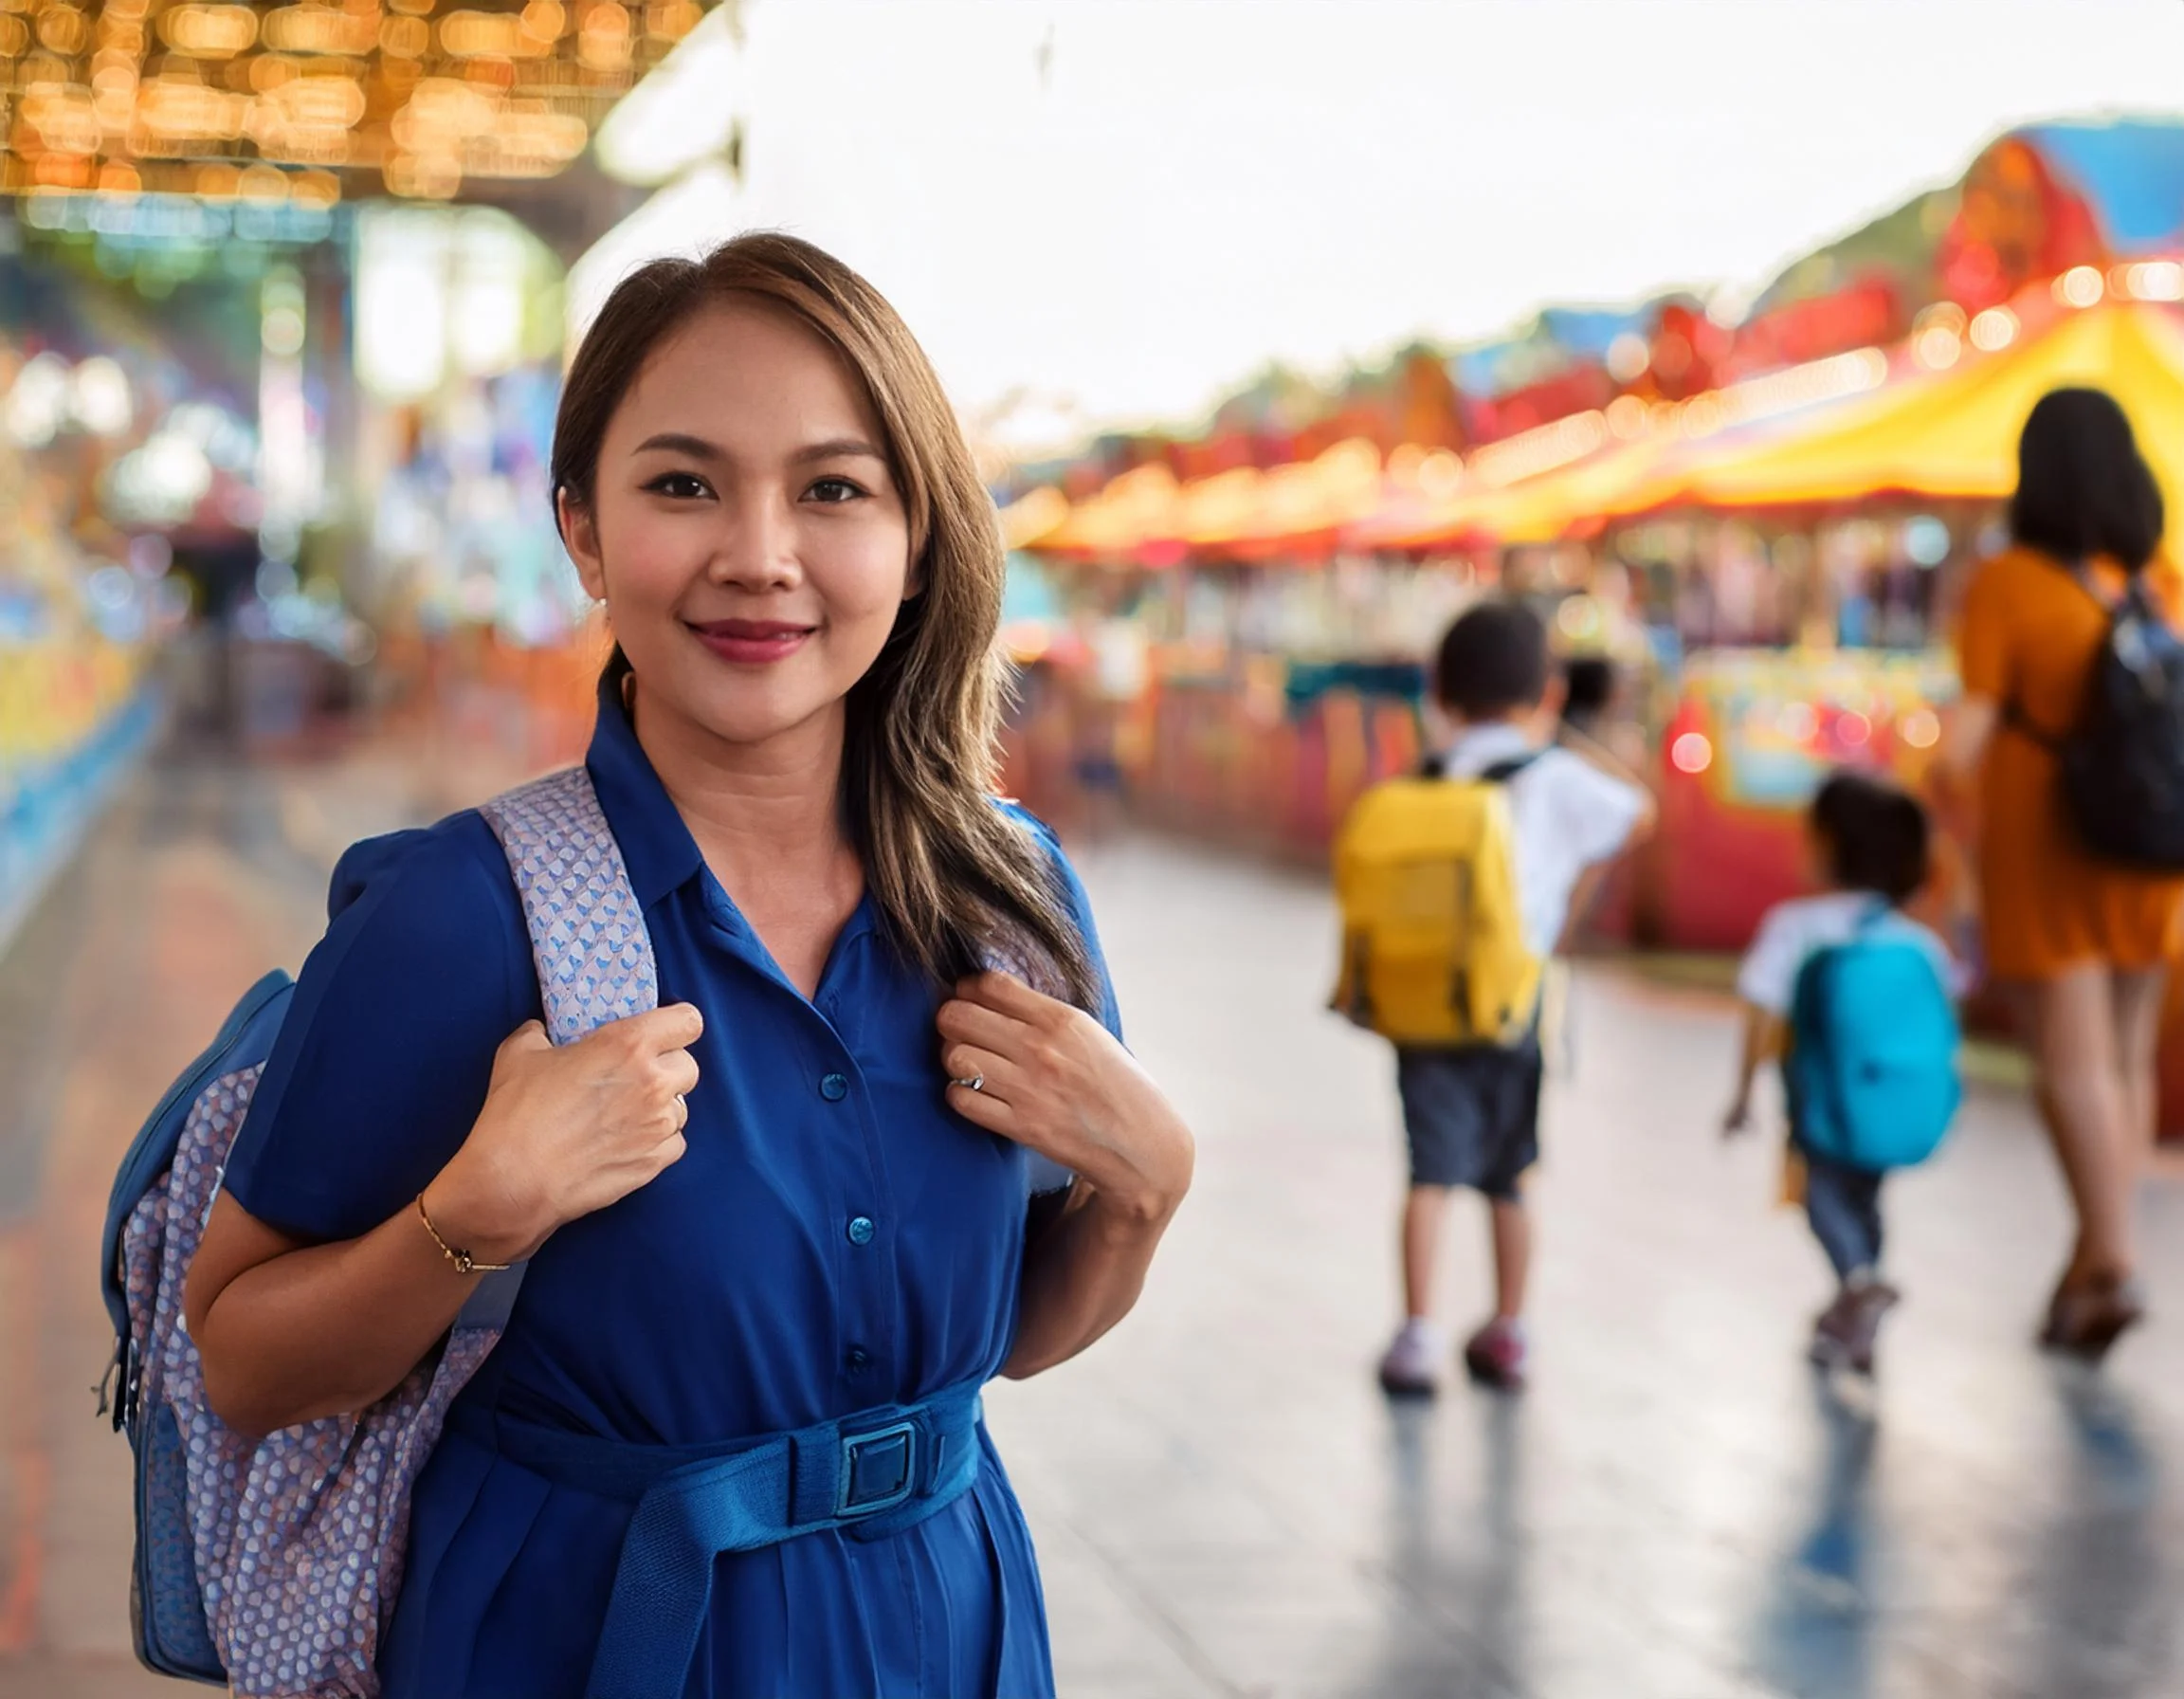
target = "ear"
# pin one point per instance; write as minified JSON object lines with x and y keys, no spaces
{"x":580,"y":536}
{"x":915,"y":579}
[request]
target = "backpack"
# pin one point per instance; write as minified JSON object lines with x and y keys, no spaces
{"x":1434,"y":948}
{"x":2122,"y":767}
{"x":273,"y":1567}
{"x":1871,"y":1071}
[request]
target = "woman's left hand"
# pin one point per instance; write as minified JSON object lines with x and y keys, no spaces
{"x":1055,"y":1081}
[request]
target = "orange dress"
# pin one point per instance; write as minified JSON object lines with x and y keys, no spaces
{"x":2030,"y":638}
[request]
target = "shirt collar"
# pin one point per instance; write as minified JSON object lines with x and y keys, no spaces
{"x":1478,"y":747}
{"x":657,"y":848}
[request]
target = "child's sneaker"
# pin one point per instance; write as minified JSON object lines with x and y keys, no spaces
{"x":1412,"y":1368}
{"x":1843,"y":1336}
{"x":1495,"y":1355}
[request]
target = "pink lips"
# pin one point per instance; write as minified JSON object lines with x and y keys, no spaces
{"x":751,"y":642}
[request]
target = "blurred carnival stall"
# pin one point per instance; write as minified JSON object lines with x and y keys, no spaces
{"x":102,"y":470}
{"x":1763,"y":512}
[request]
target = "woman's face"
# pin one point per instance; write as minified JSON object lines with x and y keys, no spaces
{"x":745,"y":529}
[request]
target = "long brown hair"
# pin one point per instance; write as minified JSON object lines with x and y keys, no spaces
{"x":960,"y":883}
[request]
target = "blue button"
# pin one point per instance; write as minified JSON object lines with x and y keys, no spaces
{"x":834,"y":1086}
{"x":859,"y":1358}
{"x":860,"y":1230}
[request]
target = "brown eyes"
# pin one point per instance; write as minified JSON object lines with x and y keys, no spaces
{"x":688,"y":486}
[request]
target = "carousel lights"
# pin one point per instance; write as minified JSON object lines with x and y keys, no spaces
{"x":1937,"y":348}
{"x":1701,"y":417}
{"x":1542,"y":448}
{"x":1403,"y":462}
{"x":1628,"y":356}
{"x":1829,"y":380}
{"x":209,"y":31}
{"x":2081,"y":287}
{"x":129,"y":97}
{"x":1628,"y":417}
{"x":1440,"y":473}
{"x":2153,"y":279}
{"x":1946,"y":314}
{"x":1994,"y":330}
{"x":321,"y":30}
{"x":492,"y":35}
{"x":1691,"y":753}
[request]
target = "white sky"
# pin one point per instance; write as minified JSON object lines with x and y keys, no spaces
{"x":1202,"y":185}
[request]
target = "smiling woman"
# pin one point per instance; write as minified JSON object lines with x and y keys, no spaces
{"x":879,"y":1142}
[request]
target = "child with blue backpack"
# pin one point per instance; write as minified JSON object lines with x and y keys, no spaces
{"x":1856,"y":999}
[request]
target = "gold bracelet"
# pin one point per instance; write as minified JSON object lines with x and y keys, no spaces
{"x":465,"y":1263}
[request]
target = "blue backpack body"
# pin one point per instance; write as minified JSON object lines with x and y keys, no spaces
{"x":1871,"y":1072}
{"x":268,"y":1565}
{"x":165,"y":1591}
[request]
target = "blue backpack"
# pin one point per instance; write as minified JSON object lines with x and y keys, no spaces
{"x":270,"y":1566}
{"x":1873,"y":1040}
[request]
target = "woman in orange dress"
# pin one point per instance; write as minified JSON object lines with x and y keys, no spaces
{"x":2086,"y":944}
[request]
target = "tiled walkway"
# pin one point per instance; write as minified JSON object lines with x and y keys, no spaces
{"x":1224,"y":1503}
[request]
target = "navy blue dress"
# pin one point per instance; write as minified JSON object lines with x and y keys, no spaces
{"x":730,"y":1298}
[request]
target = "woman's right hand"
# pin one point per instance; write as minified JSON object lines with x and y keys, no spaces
{"x":566,"y":1130}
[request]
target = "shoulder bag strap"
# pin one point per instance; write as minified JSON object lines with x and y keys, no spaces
{"x":2014,"y":714}
{"x":2021,"y":723}
{"x":2082,"y":575}
{"x":589,"y":944}
{"x":1500,"y":773}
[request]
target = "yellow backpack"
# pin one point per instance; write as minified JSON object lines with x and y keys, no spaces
{"x":1433,"y":949}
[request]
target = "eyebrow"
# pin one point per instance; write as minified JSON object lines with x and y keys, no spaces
{"x":677,"y":442}
{"x":841,"y":448}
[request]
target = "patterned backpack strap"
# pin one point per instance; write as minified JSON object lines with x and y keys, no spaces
{"x":588,"y":937}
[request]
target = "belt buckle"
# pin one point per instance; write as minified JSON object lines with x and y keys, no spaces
{"x":879,"y":1469}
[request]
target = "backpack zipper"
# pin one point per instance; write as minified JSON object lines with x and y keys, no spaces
{"x":125,"y":1365}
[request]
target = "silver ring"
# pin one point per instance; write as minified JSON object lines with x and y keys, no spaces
{"x":681,"y":1103}
{"x":976,"y":1082}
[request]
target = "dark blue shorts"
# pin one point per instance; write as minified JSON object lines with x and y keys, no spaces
{"x":1472,"y":1115}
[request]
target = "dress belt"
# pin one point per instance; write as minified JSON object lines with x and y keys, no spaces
{"x":869,"y":1474}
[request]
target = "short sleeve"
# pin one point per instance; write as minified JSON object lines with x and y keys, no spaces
{"x":1769,"y":977}
{"x":1983,"y":645}
{"x":382,"y":1064}
{"x":1596,"y":811}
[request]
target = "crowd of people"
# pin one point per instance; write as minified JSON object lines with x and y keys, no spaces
{"x":2064,"y":767}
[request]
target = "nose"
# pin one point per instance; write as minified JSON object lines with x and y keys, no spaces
{"x":756,"y":547}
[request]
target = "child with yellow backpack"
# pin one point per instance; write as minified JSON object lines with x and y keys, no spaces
{"x":1455,"y":889}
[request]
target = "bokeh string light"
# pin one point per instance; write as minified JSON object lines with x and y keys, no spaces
{"x":304,"y":103}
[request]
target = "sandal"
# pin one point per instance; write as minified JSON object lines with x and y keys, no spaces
{"x":2089,"y":1316}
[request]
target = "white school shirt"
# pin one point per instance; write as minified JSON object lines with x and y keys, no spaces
{"x":1566,"y":817}
{"x":1796,"y":931}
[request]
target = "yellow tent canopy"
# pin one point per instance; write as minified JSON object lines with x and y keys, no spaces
{"x":1540,"y":509}
{"x":1614,"y":472}
{"x":1146,"y":510}
{"x":1955,"y":434}
{"x":1947,"y":434}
